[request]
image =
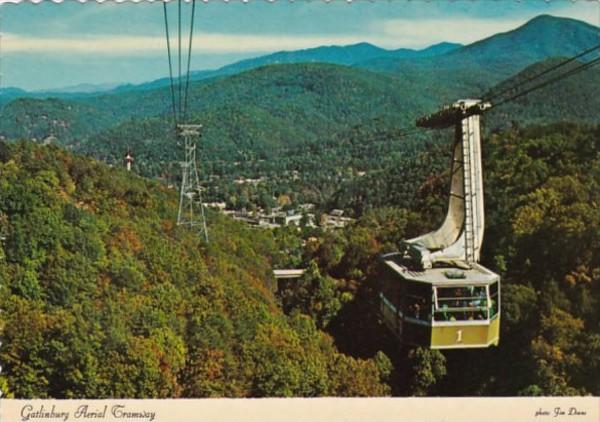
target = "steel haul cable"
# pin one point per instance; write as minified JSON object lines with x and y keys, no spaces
{"x":179,"y":53}
{"x":187,"y":81}
{"x":179,"y":101}
{"x":564,"y":75}
{"x":490,"y":97}
{"x":170,"y":64}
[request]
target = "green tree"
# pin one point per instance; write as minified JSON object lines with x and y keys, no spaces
{"x":312,"y":294}
{"x":427,"y":369}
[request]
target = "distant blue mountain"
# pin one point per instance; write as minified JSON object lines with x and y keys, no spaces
{"x":85,"y":88}
{"x":542,"y":37}
{"x":12,"y":91}
{"x":9,"y":94}
{"x":342,"y":55}
{"x":500,"y":55}
{"x":397,"y":87}
{"x":484,"y":62}
{"x":77,"y":91}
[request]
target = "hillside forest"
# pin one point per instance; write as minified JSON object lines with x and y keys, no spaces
{"x":103,"y":295}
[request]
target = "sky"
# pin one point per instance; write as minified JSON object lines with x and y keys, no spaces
{"x":49,"y":45}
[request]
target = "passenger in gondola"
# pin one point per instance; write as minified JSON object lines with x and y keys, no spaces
{"x":443,"y":316}
{"x":458,"y":295}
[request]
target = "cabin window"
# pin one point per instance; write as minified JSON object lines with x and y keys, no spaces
{"x":493,"y":299}
{"x":417,"y":302}
{"x":468,"y":303}
{"x":390,"y":289}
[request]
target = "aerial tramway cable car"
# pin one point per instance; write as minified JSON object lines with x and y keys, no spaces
{"x":433,"y":291}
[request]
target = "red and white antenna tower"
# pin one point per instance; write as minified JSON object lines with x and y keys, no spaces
{"x":128,"y":160}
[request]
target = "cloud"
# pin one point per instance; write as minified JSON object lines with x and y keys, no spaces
{"x":430,"y":31}
{"x":411,"y":33}
{"x":587,"y":11}
{"x":388,"y":33}
{"x":426,"y":31}
{"x":112,"y":45}
{"x":202,"y":43}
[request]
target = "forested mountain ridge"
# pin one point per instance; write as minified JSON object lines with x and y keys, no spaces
{"x":334,"y":54}
{"x":573,"y":99}
{"x":303,"y":86}
{"x":94,"y":270}
{"x":542,"y":37}
{"x":342,"y":55}
{"x":501,"y":55}
{"x":466,"y":71}
{"x":60,"y":120}
{"x":256,"y":113}
{"x":272,"y":122}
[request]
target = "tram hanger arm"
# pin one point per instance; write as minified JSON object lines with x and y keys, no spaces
{"x":448,"y":115}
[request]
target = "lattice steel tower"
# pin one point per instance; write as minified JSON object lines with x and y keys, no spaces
{"x":191,"y":208}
